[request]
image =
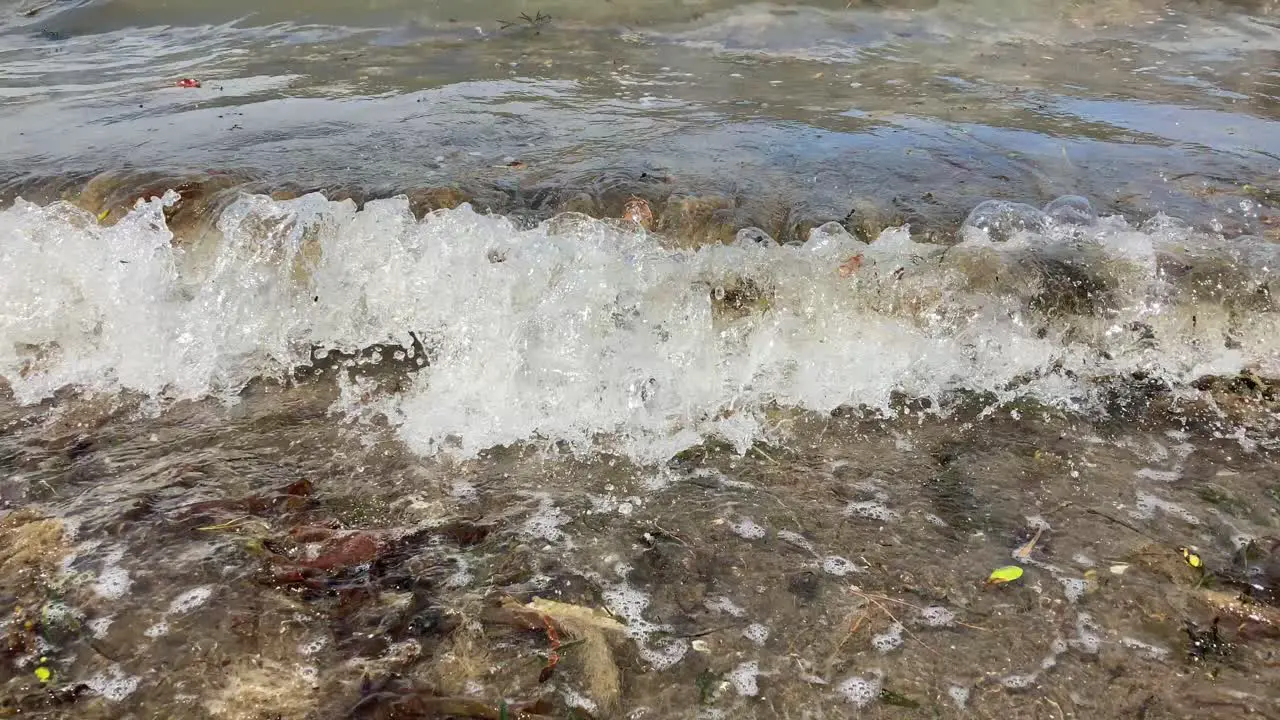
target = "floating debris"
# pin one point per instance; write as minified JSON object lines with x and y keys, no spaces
{"x":1006,"y":574}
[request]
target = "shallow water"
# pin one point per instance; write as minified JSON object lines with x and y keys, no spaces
{"x":755,"y":335}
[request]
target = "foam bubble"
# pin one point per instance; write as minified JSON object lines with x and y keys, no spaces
{"x":113,"y":582}
{"x":1161,"y":476}
{"x":872,"y":510}
{"x":743,"y":678}
{"x":1018,"y":682}
{"x":1147,"y":504}
{"x":860,"y":691}
{"x":310,"y":674}
{"x":1073,"y":588}
{"x":1087,"y":639}
{"x":664,"y":654}
{"x":464,"y":492}
{"x":100,"y":626}
{"x":113,"y":684}
{"x":545,"y":522}
{"x":937,"y":616}
{"x":724,"y":605}
{"x":798,"y":540}
{"x":461,"y":576}
{"x":747,"y":528}
{"x":890,"y":639}
{"x":313,"y":646}
{"x":629,"y":604}
{"x":1144,"y":650}
{"x":1037,"y":522}
{"x":959,"y":696}
{"x":838,"y":566}
{"x":756,"y":633}
{"x":575,"y":699}
{"x":160,"y":629}
{"x":190,"y":600}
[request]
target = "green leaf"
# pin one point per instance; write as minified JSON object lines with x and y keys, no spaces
{"x":1005,"y":574}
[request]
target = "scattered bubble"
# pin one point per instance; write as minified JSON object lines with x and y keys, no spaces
{"x":1073,"y":588}
{"x":100,"y":626}
{"x":113,"y":582}
{"x":756,"y":633}
{"x":309,"y":674}
{"x":1147,"y":504}
{"x":890,"y":639}
{"x":190,"y":600}
{"x":724,"y":605}
{"x":838,"y":566}
{"x":798,"y":540}
{"x":1037,"y":522}
{"x":312,"y":647}
{"x":575,"y":699}
{"x":113,"y":684}
{"x":546,"y":521}
{"x":937,"y":616}
{"x":464,"y":492}
{"x":1144,"y":650}
{"x":1087,"y":639}
{"x":747,"y":528}
{"x":872,"y":510}
{"x":1161,"y":476}
{"x":959,"y":696}
{"x":743,"y":678}
{"x":860,"y":691}
{"x":1018,"y":682}
{"x":461,"y":576}
{"x":629,"y":604}
{"x":664,"y":654}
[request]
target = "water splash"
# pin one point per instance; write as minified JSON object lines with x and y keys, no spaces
{"x":595,"y":336}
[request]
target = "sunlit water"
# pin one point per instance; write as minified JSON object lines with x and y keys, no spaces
{"x":313,"y":374}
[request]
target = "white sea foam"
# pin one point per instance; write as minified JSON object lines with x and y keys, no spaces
{"x":577,"y":331}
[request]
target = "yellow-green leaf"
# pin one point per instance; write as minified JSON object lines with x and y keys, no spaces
{"x":1191,"y":557}
{"x":1008,"y":573}
{"x":103,"y":215}
{"x":44,"y":674}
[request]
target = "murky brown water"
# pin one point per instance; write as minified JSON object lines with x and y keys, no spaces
{"x":768,"y":582}
{"x":639,"y":360}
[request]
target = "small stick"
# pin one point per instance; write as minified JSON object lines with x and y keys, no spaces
{"x":901,"y":624}
{"x":872,"y":596}
{"x":669,"y":534}
{"x":1117,"y":521}
{"x":765,"y":454}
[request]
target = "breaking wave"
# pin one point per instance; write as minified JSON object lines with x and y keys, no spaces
{"x":597,"y":335}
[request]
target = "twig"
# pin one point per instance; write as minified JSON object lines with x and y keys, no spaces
{"x":765,"y":454}
{"x":1117,"y":521}
{"x":229,"y":525}
{"x":855,"y":622}
{"x":1061,"y":506}
{"x":899,"y":623}
{"x":699,"y":633}
{"x":669,"y":534}
{"x":873,"y":597}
